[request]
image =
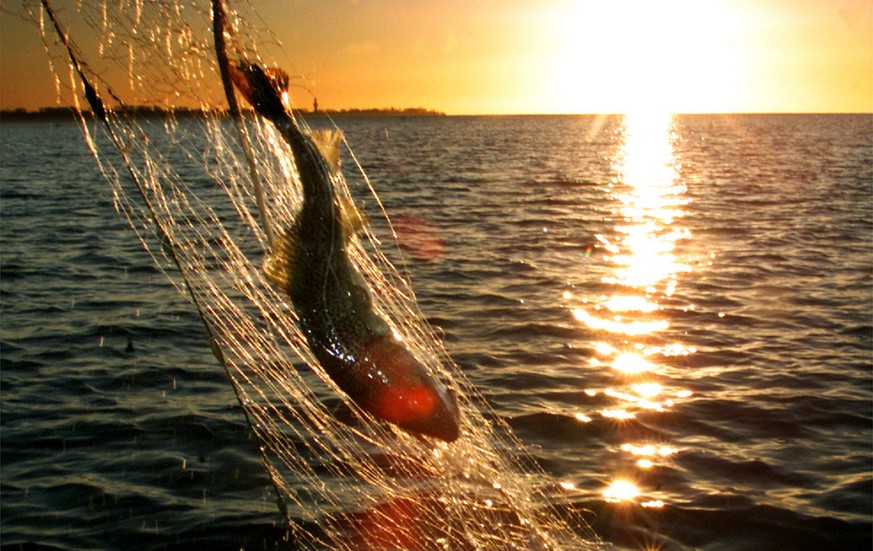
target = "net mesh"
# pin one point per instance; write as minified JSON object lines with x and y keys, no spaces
{"x":203,"y":193}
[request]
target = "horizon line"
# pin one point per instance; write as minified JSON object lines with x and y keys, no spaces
{"x":60,"y":110}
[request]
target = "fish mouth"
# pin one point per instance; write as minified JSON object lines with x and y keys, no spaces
{"x":429,"y":410}
{"x":393,"y":386}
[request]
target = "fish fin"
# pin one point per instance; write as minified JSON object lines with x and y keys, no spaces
{"x":328,"y":143}
{"x":280,"y":260}
{"x":352,"y":218}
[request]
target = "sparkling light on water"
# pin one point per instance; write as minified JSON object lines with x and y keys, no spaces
{"x":621,"y":490}
{"x":647,"y":390}
{"x":630,"y":362}
{"x":644,"y":258}
{"x":620,"y":414}
{"x":618,"y":325}
{"x":625,"y":303}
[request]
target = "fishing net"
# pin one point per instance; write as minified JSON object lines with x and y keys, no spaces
{"x":204,"y":191}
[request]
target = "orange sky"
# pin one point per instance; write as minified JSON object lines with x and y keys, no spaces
{"x":548,"y":56}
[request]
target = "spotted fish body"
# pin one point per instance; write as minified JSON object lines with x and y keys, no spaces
{"x":310,"y":264}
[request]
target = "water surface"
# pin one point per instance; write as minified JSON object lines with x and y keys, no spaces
{"x":674,"y":315}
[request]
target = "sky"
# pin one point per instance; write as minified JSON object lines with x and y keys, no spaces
{"x":547,"y":56}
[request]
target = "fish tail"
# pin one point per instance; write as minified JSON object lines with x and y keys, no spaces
{"x":262,"y":88}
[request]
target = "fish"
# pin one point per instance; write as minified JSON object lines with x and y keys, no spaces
{"x":309,"y":262}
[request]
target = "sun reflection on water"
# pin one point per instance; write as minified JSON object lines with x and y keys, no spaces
{"x":630,"y":362}
{"x":644,"y":260}
{"x":619,"y":325}
{"x":621,"y":490}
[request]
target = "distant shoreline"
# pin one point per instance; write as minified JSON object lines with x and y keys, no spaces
{"x":68,"y":113}
{"x":64,"y":113}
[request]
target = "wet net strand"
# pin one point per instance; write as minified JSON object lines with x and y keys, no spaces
{"x":202,"y":194}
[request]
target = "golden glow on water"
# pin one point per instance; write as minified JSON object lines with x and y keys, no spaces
{"x":621,"y":490}
{"x":613,"y":393}
{"x":604,"y":348}
{"x":656,"y":503}
{"x":643,"y":257}
{"x":647,"y":390}
{"x":618,"y":325}
{"x":649,"y":449}
{"x":619,"y":414}
{"x":628,"y":303}
{"x":630,"y":362}
{"x":646,"y":159}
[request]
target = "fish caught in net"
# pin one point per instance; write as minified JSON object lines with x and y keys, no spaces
{"x":249,"y":214}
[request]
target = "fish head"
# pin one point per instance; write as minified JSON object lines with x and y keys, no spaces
{"x":402,"y":392}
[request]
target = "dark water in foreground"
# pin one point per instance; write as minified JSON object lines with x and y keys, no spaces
{"x":686,"y":344}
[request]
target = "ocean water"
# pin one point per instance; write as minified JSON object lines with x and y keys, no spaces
{"x":676,"y":317}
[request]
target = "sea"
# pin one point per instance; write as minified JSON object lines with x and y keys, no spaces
{"x":673,"y":314}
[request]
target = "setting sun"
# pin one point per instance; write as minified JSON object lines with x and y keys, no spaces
{"x":653,"y":57}
{"x":555,"y":56}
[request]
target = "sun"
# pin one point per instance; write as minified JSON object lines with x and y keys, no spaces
{"x":633,"y":56}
